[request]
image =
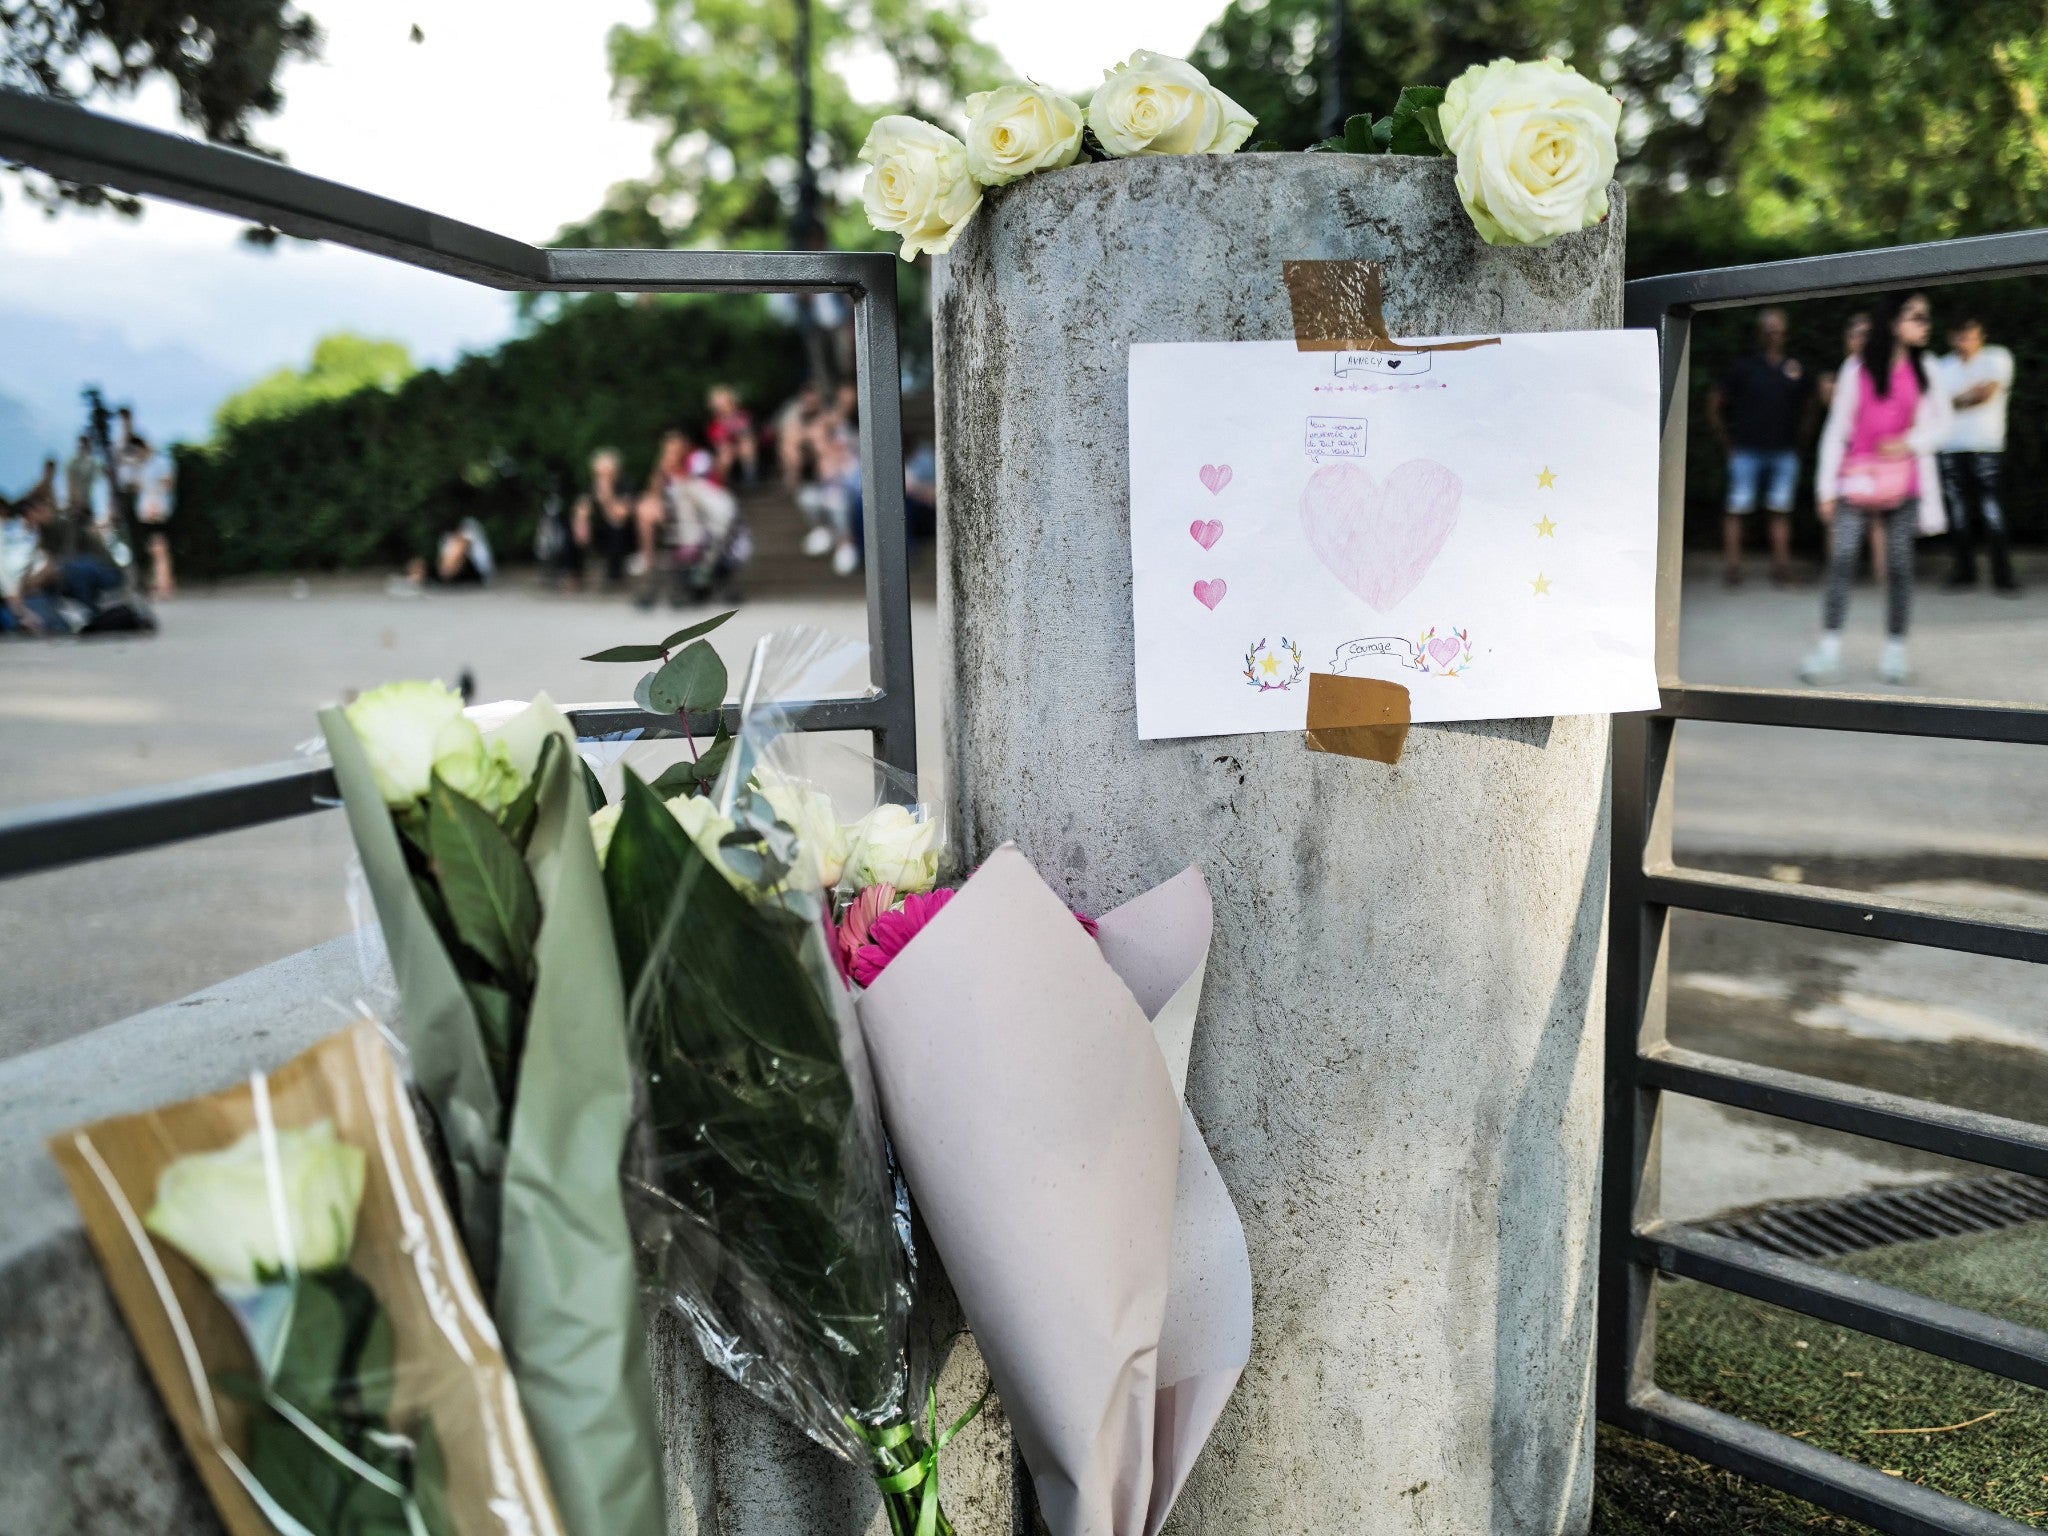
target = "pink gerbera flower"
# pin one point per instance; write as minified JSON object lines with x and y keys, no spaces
{"x":889,"y":932}
{"x":860,"y":916}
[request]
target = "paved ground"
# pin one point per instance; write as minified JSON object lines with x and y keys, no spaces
{"x":235,"y":678}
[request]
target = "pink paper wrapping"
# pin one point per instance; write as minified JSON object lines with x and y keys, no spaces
{"x":1031,"y":1081}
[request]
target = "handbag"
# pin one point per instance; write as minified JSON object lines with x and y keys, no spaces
{"x":1872,"y":482}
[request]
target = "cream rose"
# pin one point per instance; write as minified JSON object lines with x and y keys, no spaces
{"x":1017,"y":129}
{"x":1157,"y":105}
{"x":1535,"y":146}
{"x":221,"y":1209}
{"x":808,"y":813}
{"x":401,"y":726}
{"x":919,"y":187}
{"x":891,"y":846}
{"x":474,"y":768}
{"x":693,"y":813}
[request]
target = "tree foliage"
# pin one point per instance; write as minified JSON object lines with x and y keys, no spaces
{"x":220,"y":57}
{"x":342,"y":364}
{"x":719,"y":79}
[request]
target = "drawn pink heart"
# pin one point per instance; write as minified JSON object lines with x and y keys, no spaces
{"x":1206,"y":534}
{"x":1210,"y":593}
{"x":1380,"y":539}
{"x":1215,"y":477}
{"x":1444,"y":648}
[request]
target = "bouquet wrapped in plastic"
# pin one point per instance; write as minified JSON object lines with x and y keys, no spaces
{"x":476,"y":849}
{"x":283,"y":1258}
{"x":762,"y":1191}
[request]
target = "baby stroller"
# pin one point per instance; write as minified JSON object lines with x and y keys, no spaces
{"x":705,"y":545}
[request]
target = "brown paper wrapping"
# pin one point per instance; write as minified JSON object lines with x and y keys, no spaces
{"x":1357,"y":716}
{"x":449,"y":1365}
{"x":1339,"y":306}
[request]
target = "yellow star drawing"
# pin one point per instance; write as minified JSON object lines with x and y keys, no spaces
{"x":1541,"y":584}
{"x":1546,"y":529}
{"x":1270,"y":665}
{"x":1546,"y":480}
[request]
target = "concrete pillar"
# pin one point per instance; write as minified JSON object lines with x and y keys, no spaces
{"x":1398,"y":1061}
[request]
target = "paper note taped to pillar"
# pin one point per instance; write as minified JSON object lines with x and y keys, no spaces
{"x":1478,"y":525}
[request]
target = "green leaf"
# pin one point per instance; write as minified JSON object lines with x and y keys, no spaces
{"x":712,"y":763}
{"x":1415,"y":128}
{"x":518,"y":816}
{"x":1358,"y":135}
{"x":593,"y":792}
{"x":494,"y":1018}
{"x":629,"y":653}
{"x":1266,"y":147}
{"x":490,"y":894}
{"x":643,"y":693}
{"x":677,"y":779}
{"x":693,"y":680}
{"x":695,"y":630}
{"x":430,"y":1481}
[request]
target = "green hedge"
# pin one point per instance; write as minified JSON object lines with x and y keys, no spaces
{"x":370,"y":480}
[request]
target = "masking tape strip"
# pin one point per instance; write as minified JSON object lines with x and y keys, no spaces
{"x":1339,"y":307}
{"x":1357,"y":716}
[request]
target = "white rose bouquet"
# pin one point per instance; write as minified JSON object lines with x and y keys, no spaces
{"x":283,"y":1258}
{"x":474,"y":834}
{"x":762,"y":1192}
{"x":1535,"y":144}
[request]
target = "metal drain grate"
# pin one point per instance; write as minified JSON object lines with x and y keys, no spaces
{"x":1824,"y":1229}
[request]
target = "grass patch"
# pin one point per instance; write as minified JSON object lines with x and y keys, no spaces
{"x":1832,"y":1387}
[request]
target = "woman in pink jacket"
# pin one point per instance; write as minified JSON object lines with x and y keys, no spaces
{"x":1877,"y":466}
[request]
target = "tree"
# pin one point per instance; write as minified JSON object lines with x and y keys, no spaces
{"x":221,"y":57}
{"x":719,"y":77}
{"x":342,"y":364}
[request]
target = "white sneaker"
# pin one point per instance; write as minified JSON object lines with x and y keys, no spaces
{"x":637,"y":566}
{"x":1892,"y":666}
{"x":1822,"y":666}
{"x":845,"y":560}
{"x":818,"y":541}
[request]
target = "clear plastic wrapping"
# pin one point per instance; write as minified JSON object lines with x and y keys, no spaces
{"x":761,"y":1186}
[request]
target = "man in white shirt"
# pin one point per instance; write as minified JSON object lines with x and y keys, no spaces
{"x":1979,"y":383}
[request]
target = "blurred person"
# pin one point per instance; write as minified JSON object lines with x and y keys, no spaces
{"x":734,"y":448}
{"x":462,"y":558}
{"x":921,"y":491}
{"x":835,"y":443}
{"x":37,"y":577}
{"x":22,"y":609}
{"x":81,"y":475}
{"x":1854,"y":335}
{"x":156,"y":483}
{"x":1877,"y":463}
{"x":1978,"y":381}
{"x":604,"y":522}
{"x":45,"y":488}
{"x":796,"y":449}
{"x":1759,"y":411}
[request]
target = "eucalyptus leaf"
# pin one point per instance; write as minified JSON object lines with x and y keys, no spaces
{"x":692,"y":680}
{"x":643,"y":692}
{"x":631,"y":653}
{"x":702,"y":628}
{"x":489,"y":892}
{"x":677,"y":780}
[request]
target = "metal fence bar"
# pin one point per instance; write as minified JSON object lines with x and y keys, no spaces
{"x":1993,"y":1140}
{"x":2019,"y":254}
{"x":1855,"y":912}
{"x":1880,"y":713}
{"x":1885,"y":1312}
{"x":1849,"y":1488}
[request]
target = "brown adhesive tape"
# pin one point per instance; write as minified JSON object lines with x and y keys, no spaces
{"x":1357,"y":716}
{"x":1339,"y":306}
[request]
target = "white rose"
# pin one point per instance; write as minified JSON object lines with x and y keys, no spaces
{"x":808,"y":813}
{"x":474,"y":768}
{"x":1017,"y":129}
{"x":1158,"y":105}
{"x":603,"y":823}
{"x":221,"y":1210}
{"x":919,"y":187}
{"x":400,"y":725}
{"x":891,"y":846}
{"x":697,"y":816}
{"x":1535,"y":147}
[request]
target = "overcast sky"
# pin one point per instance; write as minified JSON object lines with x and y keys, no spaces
{"x":501,"y":117}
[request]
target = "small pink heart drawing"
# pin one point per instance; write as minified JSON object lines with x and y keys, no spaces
{"x":1380,"y":539}
{"x":1444,"y":648}
{"x":1206,"y":534}
{"x":1215,"y":477}
{"x":1210,"y":593}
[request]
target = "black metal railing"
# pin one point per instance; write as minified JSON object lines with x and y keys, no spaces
{"x":1637,"y":1244}
{"x":70,"y":142}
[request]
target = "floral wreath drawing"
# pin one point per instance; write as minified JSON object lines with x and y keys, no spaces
{"x":1446,"y":655}
{"x":1263,"y":666}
